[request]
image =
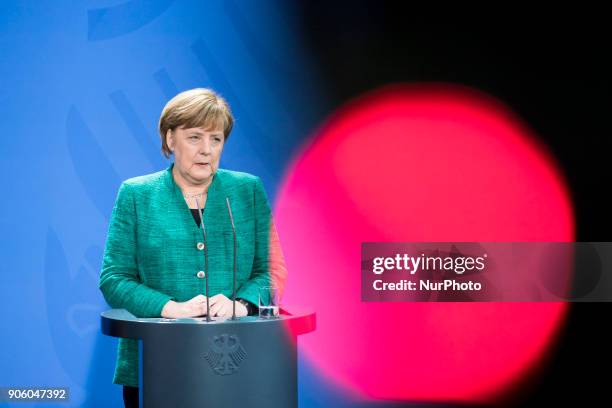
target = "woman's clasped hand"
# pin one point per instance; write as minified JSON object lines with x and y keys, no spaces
{"x":220,"y":306}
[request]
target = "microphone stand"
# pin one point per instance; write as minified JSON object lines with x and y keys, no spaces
{"x":205,"y":260}
{"x":229,"y":209}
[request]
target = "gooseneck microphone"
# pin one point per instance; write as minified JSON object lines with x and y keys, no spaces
{"x":205,"y":260}
{"x":229,"y":210}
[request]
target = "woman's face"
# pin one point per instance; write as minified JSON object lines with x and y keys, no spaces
{"x":196,"y":153}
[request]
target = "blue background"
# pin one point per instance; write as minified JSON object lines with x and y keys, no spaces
{"x":83,"y":85}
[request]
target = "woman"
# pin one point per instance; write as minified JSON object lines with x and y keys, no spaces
{"x":157,"y":254}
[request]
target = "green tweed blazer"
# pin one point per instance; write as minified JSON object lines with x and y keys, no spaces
{"x":151,"y":254}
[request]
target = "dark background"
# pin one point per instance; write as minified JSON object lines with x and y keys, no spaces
{"x":554,"y":71}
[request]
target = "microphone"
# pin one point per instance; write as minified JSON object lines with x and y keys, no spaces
{"x":229,"y":210}
{"x":205,"y":260}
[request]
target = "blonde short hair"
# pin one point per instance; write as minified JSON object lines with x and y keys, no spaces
{"x":199,"y":107}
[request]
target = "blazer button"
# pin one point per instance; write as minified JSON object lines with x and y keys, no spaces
{"x":200,"y":246}
{"x":201,"y":274}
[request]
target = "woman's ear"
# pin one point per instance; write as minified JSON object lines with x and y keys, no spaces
{"x":170,"y":140}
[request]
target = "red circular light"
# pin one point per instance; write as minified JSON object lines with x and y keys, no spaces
{"x":408,"y":164}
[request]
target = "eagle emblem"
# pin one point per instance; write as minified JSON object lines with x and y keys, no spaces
{"x":225,"y":353}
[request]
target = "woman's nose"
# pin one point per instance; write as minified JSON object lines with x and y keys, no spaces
{"x":205,"y":146}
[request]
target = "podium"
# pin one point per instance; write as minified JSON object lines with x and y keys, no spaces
{"x":248,"y":362}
